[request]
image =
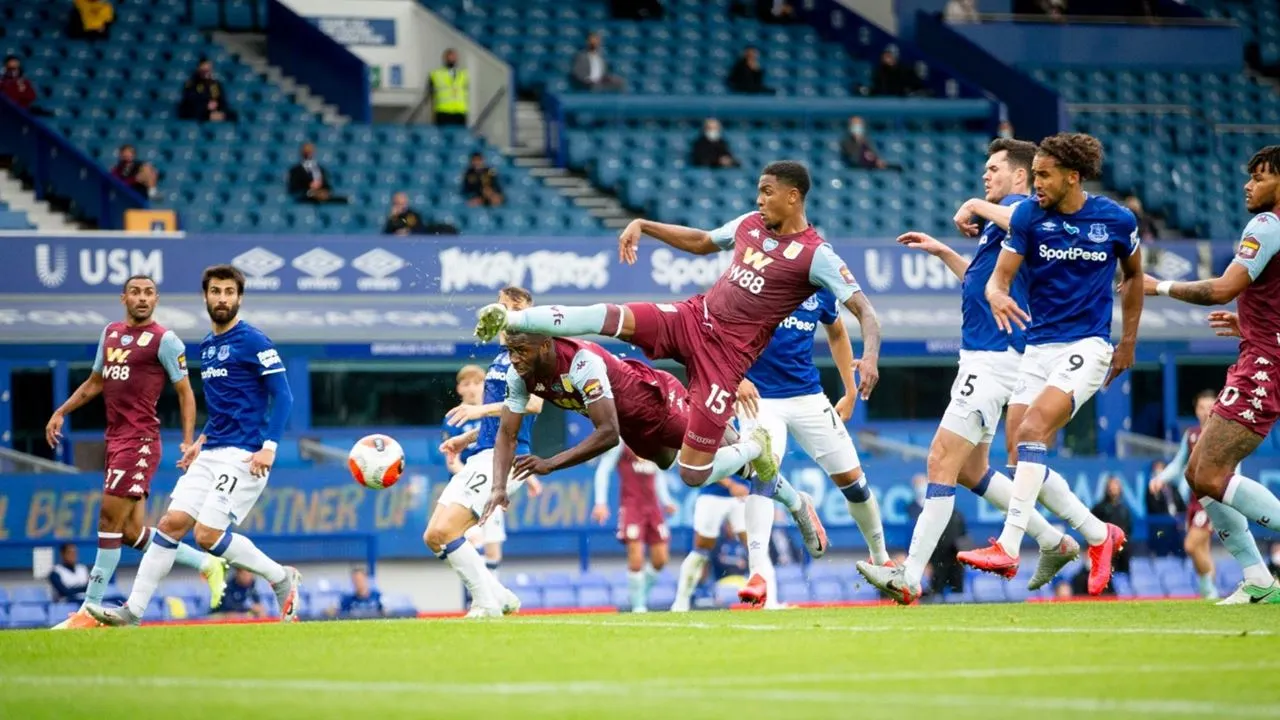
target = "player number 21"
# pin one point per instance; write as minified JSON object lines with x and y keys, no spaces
{"x":718,"y":401}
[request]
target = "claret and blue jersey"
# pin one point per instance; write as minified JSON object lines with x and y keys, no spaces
{"x":785,"y":369}
{"x":1071,"y":260}
{"x":978,"y":329}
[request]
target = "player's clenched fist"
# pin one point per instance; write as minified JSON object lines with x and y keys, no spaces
{"x":868,"y":376}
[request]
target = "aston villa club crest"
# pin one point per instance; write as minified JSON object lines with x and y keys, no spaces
{"x":793,"y":251}
{"x":145,"y":339}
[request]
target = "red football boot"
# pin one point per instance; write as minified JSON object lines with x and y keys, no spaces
{"x":1100,"y":558}
{"x":755,"y":592}
{"x":991,"y":559}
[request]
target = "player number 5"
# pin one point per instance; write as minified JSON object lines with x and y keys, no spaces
{"x":968,"y":386}
{"x":718,"y":401}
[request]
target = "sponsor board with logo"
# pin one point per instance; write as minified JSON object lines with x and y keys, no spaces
{"x":475,"y":267}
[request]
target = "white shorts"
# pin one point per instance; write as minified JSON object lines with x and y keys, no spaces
{"x":217,"y":490}
{"x":494,"y":530}
{"x":814,"y":423}
{"x":471,"y":486}
{"x":711,"y":511}
{"x":983,"y":386}
{"x":1078,"y":368}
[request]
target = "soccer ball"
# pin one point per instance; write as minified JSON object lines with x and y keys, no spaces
{"x":376,"y":461}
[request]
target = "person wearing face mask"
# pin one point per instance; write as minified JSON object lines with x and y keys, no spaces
{"x":711,"y":150}
{"x":308,"y":182}
{"x":204,"y":98}
{"x":947,"y":573}
{"x":15,"y":86}
{"x":450,"y":90}
{"x":591,"y":71}
{"x":857,"y":150}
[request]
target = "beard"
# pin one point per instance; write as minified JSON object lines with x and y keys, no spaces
{"x":221,"y":315}
{"x":141,"y":316}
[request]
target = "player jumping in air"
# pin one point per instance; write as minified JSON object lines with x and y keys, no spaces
{"x":643,"y":505}
{"x":782,"y":393}
{"x":779,"y":261}
{"x":463,"y":499}
{"x":1199,"y":527}
{"x":1071,"y":242}
{"x":248,"y":400}
{"x":135,"y":357}
{"x":1249,"y":404}
{"x":989,"y":358}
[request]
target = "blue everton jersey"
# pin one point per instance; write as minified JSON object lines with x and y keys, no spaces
{"x":785,"y":369}
{"x":717,"y":489}
{"x":468,"y":451}
{"x":978,"y":330}
{"x":1072,"y":265}
{"x":234,"y":367}
{"x":495,"y":391}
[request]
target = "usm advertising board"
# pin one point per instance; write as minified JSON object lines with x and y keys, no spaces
{"x":326,"y":289}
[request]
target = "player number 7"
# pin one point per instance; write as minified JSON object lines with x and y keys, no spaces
{"x":831,"y":412}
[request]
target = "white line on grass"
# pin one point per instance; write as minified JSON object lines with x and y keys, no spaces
{"x":994,"y":630}
{"x":680,"y":689}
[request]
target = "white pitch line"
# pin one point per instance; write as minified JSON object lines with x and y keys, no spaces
{"x":992,"y":630}
{"x":681,"y":690}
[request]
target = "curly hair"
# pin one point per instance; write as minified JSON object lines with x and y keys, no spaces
{"x":790,"y":172}
{"x":1267,"y":157}
{"x":1075,"y":151}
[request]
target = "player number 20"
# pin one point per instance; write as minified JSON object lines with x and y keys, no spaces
{"x":116,"y":372}
{"x":718,"y":401}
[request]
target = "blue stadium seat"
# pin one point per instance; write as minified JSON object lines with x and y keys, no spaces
{"x":29,"y":594}
{"x":989,"y":589}
{"x":661,"y":597}
{"x":530,"y":597}
{"x":594,"y":596}
{"x":559,"y":596}
{"x":28,"y":616}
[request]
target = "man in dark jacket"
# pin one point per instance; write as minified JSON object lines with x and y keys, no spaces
{"x":710,"y":149}
{"x":480,"y":183}
{"x":204,"y":98}
{"x":747,"y":76}
{"x":308,"y":182}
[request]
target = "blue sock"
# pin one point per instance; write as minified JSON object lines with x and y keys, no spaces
{"x":104,"y":566}
{"x":780,"y":490}
{"x":981,"y":488}
{"x":1233,"y":530}
{"x":558,"y":320}
{"x":1253,"y":500}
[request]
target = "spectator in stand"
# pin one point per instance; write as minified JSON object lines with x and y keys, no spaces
{"x":363,"y":601}
{"x":140,"y":176}
{"x":70,"y":577}
{"x":591,"y":70}
{"x":15,"y":86}
{"x":637,"y":9}
{"x":308,"y":182}
{"x":90,"y":20}
{"x":960,"y":11}
{"x":891,"y":78}
{"x":1164,"y":507}
{"x":403,"y":220}
{"x":776,"y":12}
{"x":747,"y":76}
{"x":449,"y":88}
{"x":1113,"y":508}
{"x":480,"y":183}
{"x":204,"y":98}
{"x":242,"y":598}
{"x":1147,"y":230}
{"x":710,"y":149}
{"x":857,"y":150}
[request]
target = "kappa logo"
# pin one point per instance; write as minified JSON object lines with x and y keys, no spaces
{"x":142,"y":462}
{"x":539,"y":388}
{"x":1098,"y":233}
{"x":139,"y":476}
{"x":754,"y":233}
{"x":379,"y":265}
{"x":51,"y":275}
{"x":258,"y":264}
{"x":136,"y":489}
{"x":318,"y":264}
{"x":144,"y":450}
{"x":114,"y":335}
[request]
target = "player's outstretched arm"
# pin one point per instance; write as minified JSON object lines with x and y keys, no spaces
{"x":996,"y":213}
{"x":1215,"y":291}
{"x":604,"y":472}
{"x":842,"y":353}
{"x":88,"y":390}
{"x":1130,"y":314}
{"x":281,"y":397}
{"x":1006,"y":312}
{"x":868,"y":366}
{"x":604,"y":435}
{"x":504,"y":455}
{"x":690,"y":240}
{"x":954,"y":261}
{"x":187,"y":409}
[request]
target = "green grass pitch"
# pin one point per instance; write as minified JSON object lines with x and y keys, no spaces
{"x":1095,"y":660}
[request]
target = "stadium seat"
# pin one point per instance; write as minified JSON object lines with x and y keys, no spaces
{"x":988,"y":589}
{"x":530,"y":597}
{"x":594,"y":596}
{"x":661,"y":597}
{"x":29,"y":595}
{"x":559,"y":596}
{"x":28,"y":616}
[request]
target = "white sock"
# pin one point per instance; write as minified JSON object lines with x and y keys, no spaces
{"x":1027,"y":480}
{"x":241,"y":552}
{"x":997,"y":489}
{"x":759,"y":515}
{"x":690,"y":574}
{"x":731,"y":458}
{"x":939,"y":502}
{"x":866,"y":514}
{"x":156,"y":564}
{"x":636,"y":591}
{"x":193,"y":558}
{"x":465,"y":561}
{"x":1057,"y":496}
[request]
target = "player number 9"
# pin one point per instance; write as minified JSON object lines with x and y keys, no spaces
{"x":1076,"y":362}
